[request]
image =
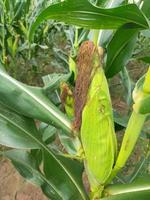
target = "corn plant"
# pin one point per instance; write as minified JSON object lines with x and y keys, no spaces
{"x":76,"y":109}
{"x":16,"y":17}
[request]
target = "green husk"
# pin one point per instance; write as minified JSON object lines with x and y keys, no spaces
{"x":146,"y":85}
{"x":97,"y":130}
{"x":141,"y":95}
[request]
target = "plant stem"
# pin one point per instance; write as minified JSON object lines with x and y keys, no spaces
{"x":132,"y":133}
{"x":137,"y":186}
{"x":96,"y":37}
{"x":76,"y":38}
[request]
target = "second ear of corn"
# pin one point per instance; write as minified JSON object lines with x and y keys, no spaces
{"x":141,"y":95}
{"x":97,"y":127}
{"x":141,"y":109}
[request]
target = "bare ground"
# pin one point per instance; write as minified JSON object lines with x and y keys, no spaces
{"x":14,"y":187}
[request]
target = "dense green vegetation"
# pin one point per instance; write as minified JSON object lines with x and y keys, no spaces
{"x":60,"y":62}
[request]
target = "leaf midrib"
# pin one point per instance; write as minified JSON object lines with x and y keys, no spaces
{"x":49,"y":152}
{"x":55,"y":114}
{"x":32,"y":169}
{"x":102,"y":14}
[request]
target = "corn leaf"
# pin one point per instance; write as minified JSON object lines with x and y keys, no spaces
{"x":57,"y":185}
{"x":31,"y":102}
{"x":26,"y":165}
{"x":83,"y":13}
{"x":52,"y":81}
{"x":17,"y":131}
{"x":119,"y":50}
{"x":146,"y":8}
{"x":145,"y":59}
{"x":75,"y":172}
{"x":59,"y":176}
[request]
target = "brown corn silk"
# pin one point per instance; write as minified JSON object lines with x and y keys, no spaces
{"x":84,"y":76}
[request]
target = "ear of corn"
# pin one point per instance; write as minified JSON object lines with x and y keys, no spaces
{"x":141,"y":109}
{"x":97,"y":132}
{"x":141,"y":95}
{"x":146,"y":85}
{"x":97,"y":128}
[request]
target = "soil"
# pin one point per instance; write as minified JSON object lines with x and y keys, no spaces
{"x":14,"y":187}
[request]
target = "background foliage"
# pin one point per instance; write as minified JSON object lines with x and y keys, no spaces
{"x":28,"y":56}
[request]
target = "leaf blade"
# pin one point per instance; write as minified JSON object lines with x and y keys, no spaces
{"x":26,"y":166}
{"x":31,"y":102}
{"x":83,"y":13}
{"x":119,"y":50}
{"x":17,"y":131}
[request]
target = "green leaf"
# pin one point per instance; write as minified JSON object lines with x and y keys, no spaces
{"x":144,"y":107}
{"x":139,"y":166}
{"x":120,"y":120}
{"x":83,"y":13}
{"x":119,"y":50}
{"x":2,"y":67}
{"x":60,"y":175}
{"x":146,"y":59}
{"x":128,"y":85}
{"x":71,"y":186}
{"x":17,"y":131}
{"x":139,"y":189}
{"x":73,"y":148}
{"x":48,"y":132}
{"x":105,"y":35}
{"x":27,"y":167}
{"x":52,"y":81}
{"x":31,"y":102}
{"x":146,"y":8}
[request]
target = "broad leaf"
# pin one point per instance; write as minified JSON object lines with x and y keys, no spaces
{"x":74,"y":188}
{"x":145,"y":59}
{"x":128,"y":85}
{"x":48,"y":132}
{"x":73,"y":148}
{"x":139,"y":189}
{"x":52,"y":81}
{"x":83,"y":13}
{"x":27,"y":167}
{"x":119,"y":50}
{"x":146,"y":8}
{"x":17,"y":131}
{"x":31,"y":102}
{"x":2,"y":67}
{"x":60,"y":175}
{"x":105,"y":35}
{"x":122,"y":121}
